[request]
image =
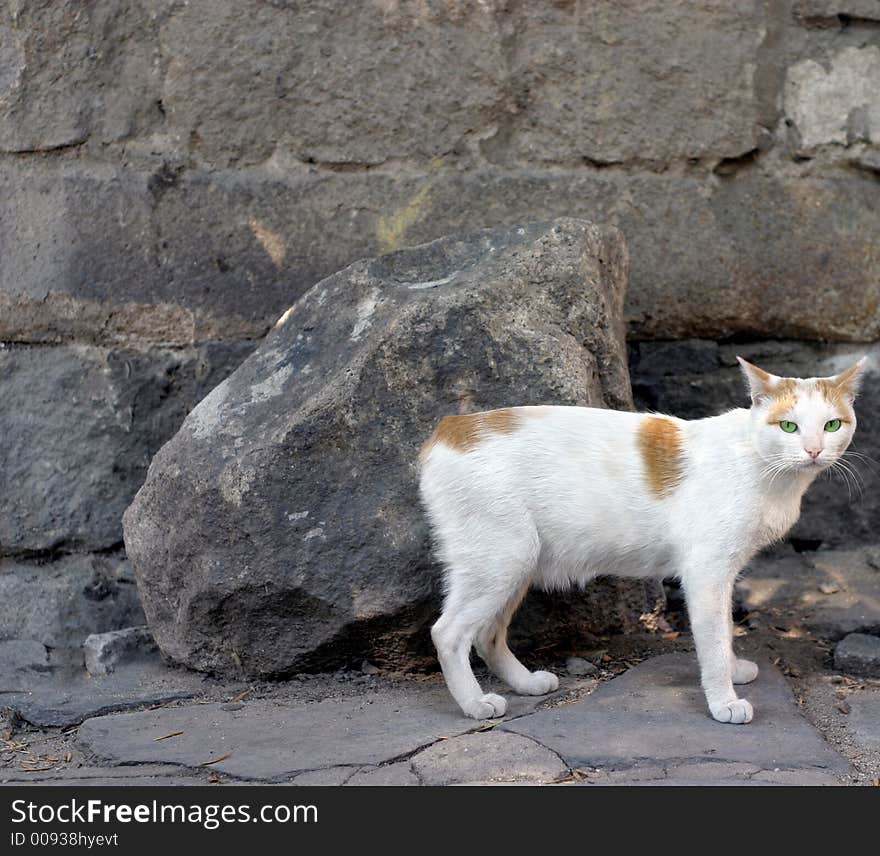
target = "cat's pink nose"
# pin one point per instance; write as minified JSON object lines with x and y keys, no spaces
{"x":814,"y":453}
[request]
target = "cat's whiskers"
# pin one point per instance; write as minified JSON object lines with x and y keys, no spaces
{"x":872,"y":464}
{"x":774,"y":467}
{"x":771,"y":473}
{"x":849,"y":476}
{"x":778,"y":471}
{"x":851,"y":467}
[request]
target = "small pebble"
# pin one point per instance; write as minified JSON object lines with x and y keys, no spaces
{"x":8,"y":719}
{"x":858,"y":654}
{"x":579,"y":667}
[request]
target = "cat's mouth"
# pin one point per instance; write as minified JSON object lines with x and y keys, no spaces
{"x":815,"y":464}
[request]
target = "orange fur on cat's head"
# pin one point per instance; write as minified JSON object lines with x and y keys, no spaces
{"x":781,"y":393}
{"x":841,"y":389}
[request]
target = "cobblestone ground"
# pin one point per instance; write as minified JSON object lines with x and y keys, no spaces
{"x":628,"y":713}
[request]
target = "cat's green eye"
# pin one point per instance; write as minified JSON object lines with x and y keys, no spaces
{"x":832,"y":425}
{"x":788,"y":427}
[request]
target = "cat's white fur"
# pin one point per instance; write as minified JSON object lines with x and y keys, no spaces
{"x":555,"y":496}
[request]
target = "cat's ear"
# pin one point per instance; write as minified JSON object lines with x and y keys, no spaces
{"x":849,"y":380}
{"x":760,"y":383}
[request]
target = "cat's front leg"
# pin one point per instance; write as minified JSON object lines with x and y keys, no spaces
{"x":708,"y":595}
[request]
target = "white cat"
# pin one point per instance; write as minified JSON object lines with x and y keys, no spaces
{"x":554,"y":496}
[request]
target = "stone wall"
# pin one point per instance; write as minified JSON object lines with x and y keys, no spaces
{"x":174,"y":175}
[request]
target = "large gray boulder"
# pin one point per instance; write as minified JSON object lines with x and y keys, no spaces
{"x":280,"y":529}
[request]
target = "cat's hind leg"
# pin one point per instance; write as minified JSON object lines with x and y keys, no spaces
{"x":465,"y":612}
{"x":741,"y":671}
{"x":744,"y":671}
{"x":491,"y":644}
{"x":489,"y":562}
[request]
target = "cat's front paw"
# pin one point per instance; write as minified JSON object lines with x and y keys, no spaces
{"x":736,"y":712}
{"x":485,"y":707}
{"x":744,"y":671}
{"x":538,"y":683}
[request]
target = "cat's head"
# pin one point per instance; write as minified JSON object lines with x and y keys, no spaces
{"x":802,"y":424}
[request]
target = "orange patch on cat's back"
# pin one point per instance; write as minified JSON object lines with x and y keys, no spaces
{"x":660,"y":444}
{"x":464,"y":431}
